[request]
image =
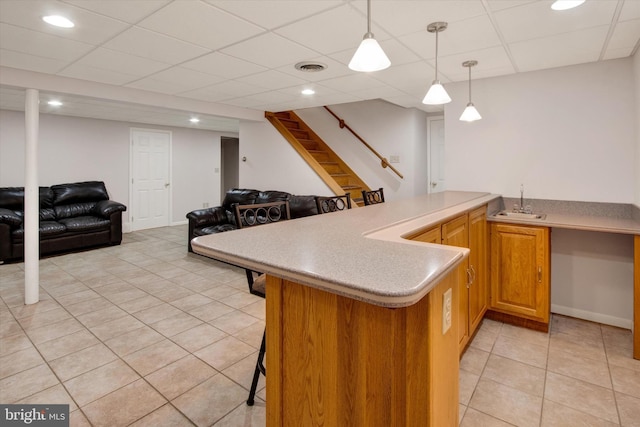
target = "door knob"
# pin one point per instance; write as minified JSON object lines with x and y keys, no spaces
{"x":433,"y":184}
{"x":166,"y":184}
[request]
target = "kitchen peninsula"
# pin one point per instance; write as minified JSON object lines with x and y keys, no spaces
{"x":355,"y":324}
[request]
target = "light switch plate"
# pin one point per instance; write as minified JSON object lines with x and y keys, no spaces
{"x":446,"y":311}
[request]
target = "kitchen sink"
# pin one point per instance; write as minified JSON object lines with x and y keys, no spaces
{"x":521,"y":215}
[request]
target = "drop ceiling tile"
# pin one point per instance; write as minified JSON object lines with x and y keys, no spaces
{"x":121,"y":62}
{"x":149,"y":44}
{"x":617,"y":53}
{"x":496,"y":5}
{"x":559,"y":50}
{"x":24,"y":61}
{"x":334,"y":69}
{"x":537,"y":19}
{"x":39,"y":44}
{"x":272,"y":79}
{"x":200,"y":24}
{"x":274,"y":14}
{"x":332,"y":31}
{"x":86,"y":72}
{"x":89,"y":27}
{"x":491,"y":62}
{"x":410,"y":16}
{"x":222,"y":65}
{"x":124,"y":10}
{"x":382,"y":92}
{"x":625,"y":35}
{"x":270,"y":50}
{"x":462,"y":36}
{"x":630,"y":10}
{"x":408,"y":76}
{"x":354,"y":82}
{"x":179,"y":78}
{"x":165,"y":85}
{"x":225,"y":90}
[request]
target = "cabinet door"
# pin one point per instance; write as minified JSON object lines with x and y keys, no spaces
{"x":520,"y":271}
{"x":456,"y":233}
{"x":479,"y":289}
{"x":430,"y":236}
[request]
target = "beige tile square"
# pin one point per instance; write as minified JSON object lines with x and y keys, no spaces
{"x":629,"y":410}
{"x":484,"y":340}
{"x":180,"y":376}
{"x":589,"y":370}
{"x":127,"y":295}
{"x":55,"y":395}
{"x":556,"y":415}
{"x":578,"y":327}
{"x":77,"y":297}
{"x":157,"y":313}
{"x":467,"y":385}
{"x":173,"y":292}
{"x":198,"y":337}
{"x":474,"y":360}
{"x":233,"y":322}
{"x":517,"y":375}
{"x":154,"y":357}
{"x":114,"y":328}
{"x":582,"y":347}
{"x":582,"y":396}
{"x":71,"y":343}
{"x":124,"y":406}
{"x":139,"y":304}
{"x":45,"y":318}
{"x":626,"y":381}
{"x":54,"y":330}
{"x":616,"y":337}
{"x":506,"y":403}
{"x":224,"y":353}
{"x":211,"y":311}
{"x":77,"y":419}
{"x":26,"y":383}
{"x":167,"y":415}
{"x":245,"y":416}
{"x":242,"y":372}
{"x":623,"y":357}
{"x":521,"y":350}
{"x":461,"y":411}
{"x":85,"y":307}
{"x":473,"y":418}
{"x":258,"y":309}
{"x":526,"y":335}
{"x":23,"y":310}
{"x":100,"y":382}
{"x":240,"y":299}
{"x":82,"y":361}
{"x":100,"y":316}
{"x":19,"y":361}
{"x":175,"y":324}
{"x":133,"y":341}
{"x":219,"y":291}
{"x":13,"y":343}
{"x":9,"y":327}
{"x":252,"y":335}
{"x":190,"y":302}
{"x":208,"y":402}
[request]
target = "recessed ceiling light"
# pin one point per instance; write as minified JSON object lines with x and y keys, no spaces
{"x":194,"y":120}
{"x":58,"y":21}
{"x":566,"y":4}
{"x":308,"y":91}
{"x":54,"y":103}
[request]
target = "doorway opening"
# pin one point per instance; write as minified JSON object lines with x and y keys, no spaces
{"x":230,"y":168}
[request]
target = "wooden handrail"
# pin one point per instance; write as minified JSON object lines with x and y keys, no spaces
{"x":384,"y":163}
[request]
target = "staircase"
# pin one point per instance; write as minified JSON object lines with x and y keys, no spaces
{"x":327,"y":164}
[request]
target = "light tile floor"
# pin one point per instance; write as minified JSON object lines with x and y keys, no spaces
{"x":145,"y":334}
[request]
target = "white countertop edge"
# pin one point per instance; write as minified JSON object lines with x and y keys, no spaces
{"x":568,"y":225}
{"x":379,"y":299}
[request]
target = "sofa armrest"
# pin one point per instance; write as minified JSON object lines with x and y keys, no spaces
{"x":9,"y":217}
{"x":208,"y":216}
{"x":105,"y":208}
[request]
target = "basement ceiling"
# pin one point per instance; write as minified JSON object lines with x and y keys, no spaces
{"x":242,"y":53}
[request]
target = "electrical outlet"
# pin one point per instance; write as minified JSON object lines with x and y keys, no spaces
{"x":446,"y":311}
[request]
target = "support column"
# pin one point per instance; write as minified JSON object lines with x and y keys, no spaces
{"x":31,"y":200}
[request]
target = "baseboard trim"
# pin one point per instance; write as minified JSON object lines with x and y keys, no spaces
{"x":605,"y":319}
{"x":179,"y":222}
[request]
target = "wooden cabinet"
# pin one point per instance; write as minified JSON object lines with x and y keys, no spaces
{"x":520,"y":271}
{"x":432,"y":235}
{"x":479,"y":289}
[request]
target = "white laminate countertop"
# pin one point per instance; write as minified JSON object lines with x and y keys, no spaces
{"x":359,"y":253}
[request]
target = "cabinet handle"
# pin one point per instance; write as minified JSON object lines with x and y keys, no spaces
{"x":539,"y":274}
{"x":469,"y":278}
{"x":473,"y":277}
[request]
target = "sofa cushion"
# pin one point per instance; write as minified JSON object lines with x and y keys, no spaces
{"x":301,"y":206}
{"x":13,"y":198}
{"x":79,"y":192}
{"x":203,"y":231}
{"x":239,"y":195}
{"x":47,"y":229}
{"x":272,"y":196}
{"x":85,"y":223}
{"x":74,"y":210}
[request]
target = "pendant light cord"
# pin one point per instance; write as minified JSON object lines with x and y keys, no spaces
{"x":437,"y":31}
{"x":368,"y":16}
{"x":469,"y":83}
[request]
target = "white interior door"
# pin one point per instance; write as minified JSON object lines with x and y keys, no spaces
{"x":150,"y":178}
{"x":436,"y":153}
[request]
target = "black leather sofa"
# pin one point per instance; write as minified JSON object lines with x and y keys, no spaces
{"x":222,"y":218}
{"x":72,"y":217}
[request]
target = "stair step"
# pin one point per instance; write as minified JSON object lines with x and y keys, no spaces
{"x":300,"y":134}
{"x":319,"y":155}
{"x":341,"y":178}
{"x":309,"y":144}
{"x":290,"y":124}
{"x":282,"y":115}
{"x":331,"y":167}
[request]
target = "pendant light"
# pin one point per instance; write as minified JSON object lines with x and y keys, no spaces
{"x":369,"y":56}
{"x":470,"y":114}
{"x":436,"y":95}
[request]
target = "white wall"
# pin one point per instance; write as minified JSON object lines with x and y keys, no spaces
{"x":636,"y":74}
{"x":77,"y":149}
{"x":566,"y":133}
{"x":272,"y":164}
{"x":390,"y":130}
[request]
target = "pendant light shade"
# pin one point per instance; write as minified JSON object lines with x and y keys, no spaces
{"x":436,"y":95}
{"x":566,"y":4}
{"x":470,"y":114}
{"x":369,"y":56}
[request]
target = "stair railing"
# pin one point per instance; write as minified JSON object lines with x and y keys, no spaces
{"x":383,"y":162}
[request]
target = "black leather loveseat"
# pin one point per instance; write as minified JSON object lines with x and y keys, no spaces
{"x":222,"y":218}
{"x":72,"y":216}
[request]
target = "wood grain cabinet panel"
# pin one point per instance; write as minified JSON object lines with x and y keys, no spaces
{"x":520,"y":271}
{"x":479,"y":289}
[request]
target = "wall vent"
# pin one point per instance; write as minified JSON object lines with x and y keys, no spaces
{"x":310,"y":67}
